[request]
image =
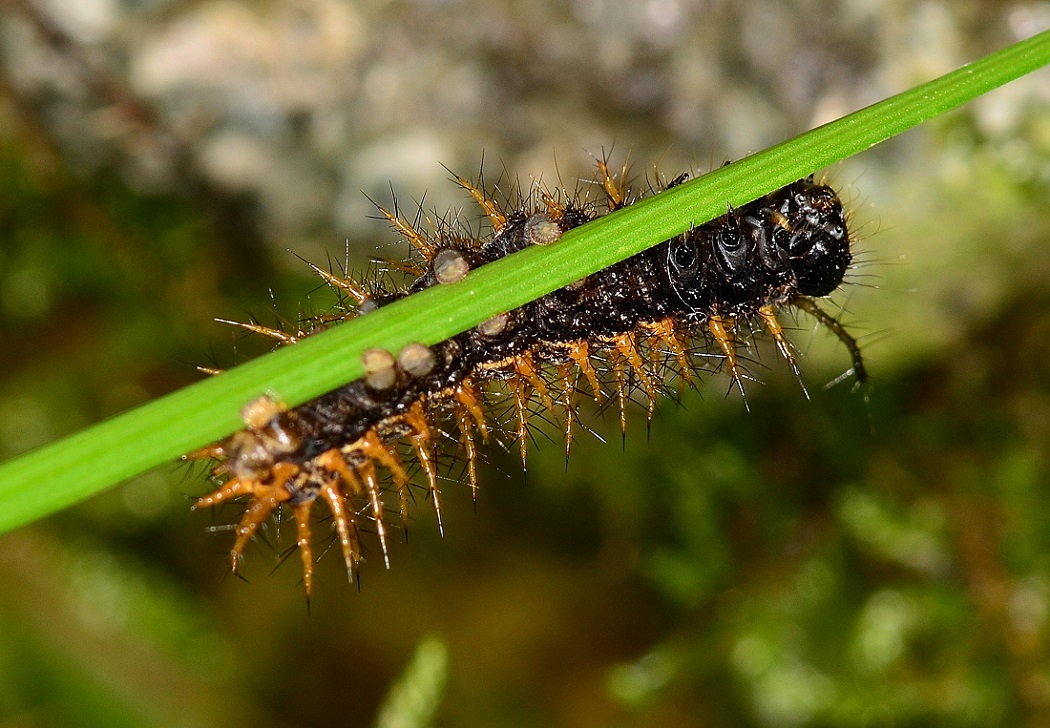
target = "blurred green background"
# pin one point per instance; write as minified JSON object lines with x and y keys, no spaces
{"x":878,"y":558}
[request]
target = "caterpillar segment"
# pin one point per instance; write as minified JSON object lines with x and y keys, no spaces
{"x":678,"y":310}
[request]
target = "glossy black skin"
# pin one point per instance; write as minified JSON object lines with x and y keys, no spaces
{"x":793,"y":242}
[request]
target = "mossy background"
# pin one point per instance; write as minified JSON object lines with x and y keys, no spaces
{"x":851,"y":559}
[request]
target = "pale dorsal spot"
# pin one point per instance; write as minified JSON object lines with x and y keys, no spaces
{"x":380,"y":373}
{"x":450,"y":266}
{"x":541,"y":230}
{"x":495,"y":325}
{"x":416,"y":360}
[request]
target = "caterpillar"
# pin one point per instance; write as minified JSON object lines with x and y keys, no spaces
{"x":628,"y":328}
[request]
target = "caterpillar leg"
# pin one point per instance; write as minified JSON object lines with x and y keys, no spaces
{"x":627,"y":346}
{"x":835,"y":326}
{"x":266,"y":496}
{"x":343,"y":517}
{"x":306,"y":552}
{"x":666,"y":331}
{"x":768,"y":315}
{"x":422,"y":442}
{"x":580,"y":354}
{"x":468,"y":415}
{"x":721,"y":328}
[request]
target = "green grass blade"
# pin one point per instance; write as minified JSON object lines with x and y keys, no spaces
{"x":72,"y":469}
{"x":415,"y":698}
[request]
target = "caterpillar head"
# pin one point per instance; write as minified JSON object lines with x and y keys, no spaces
{"x":793,"y":241}
{"x":809,"y":227}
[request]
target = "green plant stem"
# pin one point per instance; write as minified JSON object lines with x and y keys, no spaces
{"x":72,"y":469}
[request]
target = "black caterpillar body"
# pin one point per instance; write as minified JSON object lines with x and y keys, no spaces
{"x":624,"y":326}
